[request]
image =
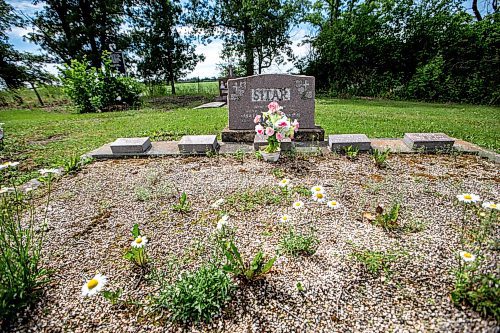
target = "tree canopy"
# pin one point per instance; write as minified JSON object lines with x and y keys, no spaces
{"x":255,"y":31}
{"x":162,"y":53}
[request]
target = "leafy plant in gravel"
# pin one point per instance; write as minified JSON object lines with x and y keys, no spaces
{"x":387,"y":220}
{"x":22,"y":276}
{"x":196,"y":296}
{"x":375,"y":262}
{"x":296,"y":244}
{"x":137,"y":252}
{"x":239,"y":155}
{"x":479,"y":290}
{"x":476,"y":281}
{"x":380,"y":157}
{"x":183,"y":205}
{"x":234,"y":263}
{"x":351,"y":152}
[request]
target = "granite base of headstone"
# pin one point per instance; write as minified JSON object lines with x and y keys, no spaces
{"x":428,"y":142}
{"x":130,"y":145}
{"x":316,"y":134}
{"x":340,"y":142}
{"x":198,"y":144}
{"x":261,"y":141}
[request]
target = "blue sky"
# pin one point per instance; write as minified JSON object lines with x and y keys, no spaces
{"x":211,"y":51}
{"x":204,"y":69}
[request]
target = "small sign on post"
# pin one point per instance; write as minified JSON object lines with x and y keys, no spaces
{"x":117,"y":60}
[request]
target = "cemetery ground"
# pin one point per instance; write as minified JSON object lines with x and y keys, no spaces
{"x":347,"y":245}
{"x":50,"y":136}
{"x":357,"y":277}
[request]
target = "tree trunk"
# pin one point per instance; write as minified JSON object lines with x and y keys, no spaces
{"x":91,"y":33}
{"x":37,"y":94}
{"x":172,"y":83}
{"x":171,"y":77}
{"x":476,"y":11}
{"x":249,"y":56}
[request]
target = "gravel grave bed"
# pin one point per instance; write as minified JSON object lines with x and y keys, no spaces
{"x":92,"y":213}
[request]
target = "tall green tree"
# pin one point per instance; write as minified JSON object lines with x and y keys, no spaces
{"x":11,"y":74}
{"x":164,"y":55}
{"x":73,"y":29}
{"x":18,"y":68}
{"x":258,"y":30}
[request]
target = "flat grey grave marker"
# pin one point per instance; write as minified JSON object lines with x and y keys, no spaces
{"x":339,"y":142}
{"x":211,"y":105}
{"x":428,"y":141}
{"x":198,"y":144}
{"x":130,"y":145}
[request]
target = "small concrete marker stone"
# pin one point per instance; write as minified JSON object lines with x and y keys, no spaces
{"x":339,"y":142}
{"x":211,"y":105}
{"x":428,"y":141}
{"x":198,"y":144}
{"x":130,"y":145}
{"x":261,"y":141}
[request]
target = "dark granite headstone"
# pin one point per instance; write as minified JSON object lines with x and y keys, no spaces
{"x":249,"y":96}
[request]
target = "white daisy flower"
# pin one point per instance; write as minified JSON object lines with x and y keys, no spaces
{"x":139,"y":242}
{"x":285,"y":218}
{"x":222,"y":223}
{"x":298,"y":204}
{"x":317,"y":189}
{"x":468,"y":197}
{"x":319,"y":197}
{"x":217,"y":203}
{"x":6,"y":165}
{"x":7,"y":190}
{"x":467,"y":256}
{"x":44,"y":172}
{"x":94,"y":285}
{"x":491,"y":205}
{"x":333,"y":204}
{"x":284,"y":182}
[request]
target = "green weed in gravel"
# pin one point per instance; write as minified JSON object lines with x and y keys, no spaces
{"x":196,"y":296}
{"x":296,"y":244}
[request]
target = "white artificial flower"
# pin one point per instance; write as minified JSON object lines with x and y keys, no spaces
{"x":139,"y":242}
{"x":284,"y":182}
{"x":491,"y":205}
{"x":467,"y":256}
{"x":319,"y":197}
{"x":44,"y":172}
{"x":94,"y":285}
{"x":285,"y":218}
{"x":298,"y":204}
{"x":468,"y":198}
{"x":7,"y":190}
{"x":333,"y":204}
{"x":217,"y":203}
{"x":317,"y":189}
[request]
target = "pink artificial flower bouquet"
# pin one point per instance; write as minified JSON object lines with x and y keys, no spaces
{"x":276,"y":126}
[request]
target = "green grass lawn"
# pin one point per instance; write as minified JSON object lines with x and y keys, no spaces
{"x":42,"y":137}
